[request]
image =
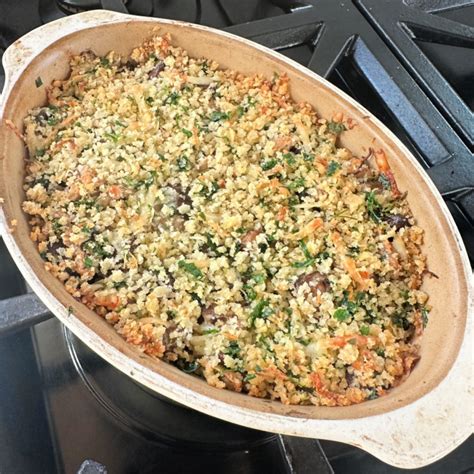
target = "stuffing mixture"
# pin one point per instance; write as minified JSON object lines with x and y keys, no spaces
{"x":219,"y":226}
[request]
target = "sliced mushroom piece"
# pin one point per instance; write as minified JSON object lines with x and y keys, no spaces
{"x":208,"y":314}
{"x":166,"y":339}
{"x":233,"y":381}
{"x":155,"y":72}
{"x":397,"y":220}
{"x":316,"y":281}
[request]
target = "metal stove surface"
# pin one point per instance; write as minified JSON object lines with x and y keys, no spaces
{"x":411,"y":63}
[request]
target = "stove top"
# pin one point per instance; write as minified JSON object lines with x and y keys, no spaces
{"x":63,"y":409}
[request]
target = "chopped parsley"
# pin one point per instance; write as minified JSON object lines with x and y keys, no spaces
{"x":113,"y":136}
{"x":341,"y":314}
{"x":268,"y":165}
{"x":52,"y":120}
{"x":309,"y":258}
{"x":38,"y":82}
{"x":173,"y":98}
{"x":365,"y":330}
{"x":190,"y":268}
{"x":290,"y":158}
{"x":260,"y":310}
{"x":233,"y":349}
{"x":336,"y":127}
{"x":249,"y":377}
{"x":308,"y":157}
{"x":297,"y":183}
{"x":183,"y":163}
{"x":424,"y":315}
{"x":249,"y":293}
{"x":258,"y":278}
{"x":333,"y":167}
{"x":374,"y":208}
{"x":209,"y":191}
{"x":216,"y":116}
{"x":188,"y":133}
{"x":210,"y":331}
{"x":88,"y":263}
{"x":384,"y":181}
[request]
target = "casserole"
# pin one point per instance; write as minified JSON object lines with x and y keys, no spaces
{"x":44,"y":53}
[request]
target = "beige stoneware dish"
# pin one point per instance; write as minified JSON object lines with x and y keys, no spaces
{"x":416,"y":423}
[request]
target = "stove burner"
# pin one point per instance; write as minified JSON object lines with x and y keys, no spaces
{"x":136,"y":7}
{"x":152,"y":416}
{"x":76,"y":6}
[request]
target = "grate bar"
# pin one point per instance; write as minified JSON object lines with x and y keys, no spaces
{"x":21,"y":312}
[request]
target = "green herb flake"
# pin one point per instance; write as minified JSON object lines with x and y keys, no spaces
{"x":341,"y":314}
{"x":188,"y":133}
{"x":372,"y":395}
{"x":332,"y":168}
{"x":308,"y":157}
{"x":38,"y":82}
{"x":216,"y":116}
{"x":384,"y":181}
{"x":239,"y":111}
{"x":374,"y":208}
{"x":104,"y":62}
{"x":303,"y":264}
{"x":211,"y":331}
{"x":249,"y":377}
{"x":259,"y":278}
{"x":365,"y":330}
{"x":88,"y":263}
{"x":289,"y":158}
{"x":259,"y":311}
{"x":40,"y":152}
{"x":336,"y":127}
{"x":297,"y":183}
{"x":150,"y":100}
{"x":173,"y":98}
{"x":52,"y":120}
{"x":249,"y":293}
{"x":269,"y":164}
{"x":112,"y":136}
{"x":190,"y":268}
{"x":183,"y":163}
{"x":209,"y":191}
{"x":424,"y":314}
{"x":309,"y":258}
{"x":304,"y":249}
{"x":233,"y":349}
{"x":293,"y":201}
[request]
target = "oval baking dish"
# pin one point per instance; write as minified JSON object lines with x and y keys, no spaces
{"x":45,"y":53}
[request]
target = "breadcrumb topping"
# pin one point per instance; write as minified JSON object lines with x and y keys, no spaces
{"x":218,"y":225}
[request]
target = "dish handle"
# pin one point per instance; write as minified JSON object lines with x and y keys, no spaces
{"x":19,"y":54}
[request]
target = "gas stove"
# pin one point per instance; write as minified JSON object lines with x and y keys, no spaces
{"x":63,"y":409}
